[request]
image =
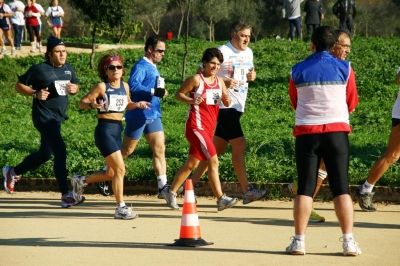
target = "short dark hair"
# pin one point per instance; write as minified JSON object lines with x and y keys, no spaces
{"x":324,"y":38}
{"x":210,"y":53}
{"x":153,"y":41}
{"x":237,"y":26}
{"x":340,"y":32}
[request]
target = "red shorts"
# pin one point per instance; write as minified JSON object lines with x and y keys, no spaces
{"x":56,"y":26}
{"x":201,"y":144}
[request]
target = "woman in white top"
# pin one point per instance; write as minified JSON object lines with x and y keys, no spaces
{"x":17,"y":21}
{"x":53,"y":16}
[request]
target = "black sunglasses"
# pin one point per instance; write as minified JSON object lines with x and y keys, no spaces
{"x":111,"y":67}
{"x":160,"y":50}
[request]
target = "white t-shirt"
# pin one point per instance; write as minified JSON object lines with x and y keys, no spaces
{"x":396,"y":107}
{"x":54,"y":11}
{"x":18,"y":17}
{"x":236,"y":65}
{"x":41,"y":11}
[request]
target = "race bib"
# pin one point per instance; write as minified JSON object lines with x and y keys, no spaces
{"x":61,"y":87}
{"x":213,"y":97}
{"x":160,"y":83}
{"x":117,"y":103}
{"x":240,"y":74}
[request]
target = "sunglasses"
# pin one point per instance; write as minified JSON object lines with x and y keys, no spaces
{"x":111,"y":67}
{"x":160,"y":51}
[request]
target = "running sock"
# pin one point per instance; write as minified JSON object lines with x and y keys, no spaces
{"x":322,"y":174}
{"x":121,"y":204}
{"x":347,"y":237}
{"x":300,"y":237}
{"x":366,"y":187}
{"x":162,"y":181}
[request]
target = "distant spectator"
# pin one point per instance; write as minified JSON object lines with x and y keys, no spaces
{"x":346,"y":11}
{"x":291,"y":10}
{"x":313,"y":9}
{"x":32,"y":25}
{"x":17,"y":21}
{"x":41,"y":12}
{"x":5,"y":26}
{"x":53,"y":16}
{"x":168,"y":35}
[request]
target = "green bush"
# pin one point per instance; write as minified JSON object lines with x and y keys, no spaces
{"x":267,"y":122}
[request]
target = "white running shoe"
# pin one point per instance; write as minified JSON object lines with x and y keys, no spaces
{"x":226,"y":202}
{"x":170,"y":197}
{"x":125,"y":213}
{"x":350,"y":248}
{"x":253,"y":194}
{"x":78,"y":186}
{"x":297,"y":247}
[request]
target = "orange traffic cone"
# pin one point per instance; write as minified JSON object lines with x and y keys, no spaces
{"x":190,"y":235}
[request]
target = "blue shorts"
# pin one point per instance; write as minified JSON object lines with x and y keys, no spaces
{"x":136,"y":127}
{"x":107,"y":136}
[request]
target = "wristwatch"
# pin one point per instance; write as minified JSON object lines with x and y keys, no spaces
{"x":34,"y":95}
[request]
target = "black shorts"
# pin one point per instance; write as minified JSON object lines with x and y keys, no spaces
{"x":107,"y":136}
{"x":334,"y":149}
{"x":228,"y":126}
{"x":395,"y":122}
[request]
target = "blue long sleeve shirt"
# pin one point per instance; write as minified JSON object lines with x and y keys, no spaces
{"x":142,"y":79}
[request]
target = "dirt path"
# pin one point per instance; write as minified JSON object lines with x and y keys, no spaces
{"x":70,"y":48}
{"x":34,"y":230}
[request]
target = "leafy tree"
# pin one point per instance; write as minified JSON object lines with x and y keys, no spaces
{"x":151,"y":11}
{"x":101,"y":13}
{"x":252,"y":12}
{"x":211,"y":12}
{"x":182,"y":5}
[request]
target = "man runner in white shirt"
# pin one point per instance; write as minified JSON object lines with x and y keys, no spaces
{"x":237,"y":71}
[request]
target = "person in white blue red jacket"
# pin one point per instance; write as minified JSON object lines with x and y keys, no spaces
{"x":323,"y":92}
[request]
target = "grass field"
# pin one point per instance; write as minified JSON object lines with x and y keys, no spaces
{"x":268,"y":120}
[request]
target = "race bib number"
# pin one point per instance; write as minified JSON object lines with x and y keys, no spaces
{"x":61,"y":87}
{"x":55,"y":13}
{"x":117,"y":103}
{"x":160,"y":83}
{"x":213,"y":97}
{"x":240,"y":74}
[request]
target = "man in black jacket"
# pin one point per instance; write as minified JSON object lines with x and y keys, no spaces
{"x":313,"y":8}
{"x":346,"y":11}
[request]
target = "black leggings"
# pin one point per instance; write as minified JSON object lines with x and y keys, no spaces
{"x":51,"y":142}
{"x":33,"y":30}
{"x":334,"y":149}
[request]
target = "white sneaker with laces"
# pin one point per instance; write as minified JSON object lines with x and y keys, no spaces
{"x":225,"y":202}
{"x":78,"y":186}
{"x":253,"y":194}
{"x":125,"y":213}
{"x":170,"y":197}
{"x":350,"y":248}
{"x":3,"y":51}
{"x":297,"y":247}
{"x":13,"y":51}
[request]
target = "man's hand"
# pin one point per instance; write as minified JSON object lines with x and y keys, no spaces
{"x":251,"y":76}
{"x":43,"y":94}
{"x":72,"y":88}
{"x":230,"y":82}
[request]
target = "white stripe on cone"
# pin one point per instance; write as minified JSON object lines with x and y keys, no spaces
{"x":190,"y":220}
{"x":189,"y":196}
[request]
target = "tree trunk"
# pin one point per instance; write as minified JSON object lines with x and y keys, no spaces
{"x":121,"y":37}
{"x":181,"y":24}
{"x":93,"y":46}
{"x":187,"y":41}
